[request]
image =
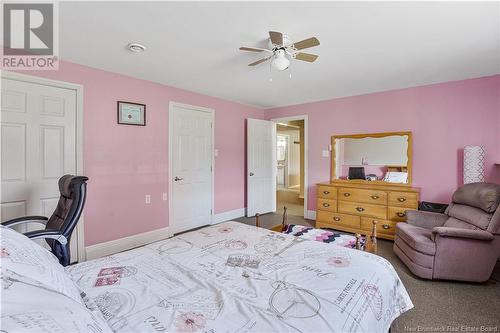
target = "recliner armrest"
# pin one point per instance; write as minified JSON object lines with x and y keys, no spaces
{"x":25,"y":219}
{"x":462,"y":233}
{"x":425,"y":219}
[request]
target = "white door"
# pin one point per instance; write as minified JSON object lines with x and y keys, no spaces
{"x":38,"y":142}
{"x":261,"y":166}
{"x":191,"y":136}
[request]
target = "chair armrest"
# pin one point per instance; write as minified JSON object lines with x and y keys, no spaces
{"x":425,"y":219}
{"x":462,"y":233}
{"x":25,"y":219}
{"x":47,"y":234}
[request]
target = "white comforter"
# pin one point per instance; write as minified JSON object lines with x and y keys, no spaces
{"x":232,"y":277}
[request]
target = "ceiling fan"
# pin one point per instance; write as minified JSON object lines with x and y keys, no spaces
{"x":281,"y":50}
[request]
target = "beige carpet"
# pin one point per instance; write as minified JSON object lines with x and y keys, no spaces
{"x":290,"y":198}
{"x":440,"y":306}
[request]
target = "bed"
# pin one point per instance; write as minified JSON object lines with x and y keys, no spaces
{"x":228,"y":277}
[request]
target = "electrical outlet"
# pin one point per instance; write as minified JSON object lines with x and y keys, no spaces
{"x":147,"y":199}
{"x":326,"y":153}
{"x":216,"y":152}
{"x":164,"y":196}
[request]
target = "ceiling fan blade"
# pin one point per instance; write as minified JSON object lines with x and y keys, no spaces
{"x":306,"y":57}
{"x":276,"y":37}
{"x":259,"y":61}
{"x":306,"y":43}
{"x":253,"y":49}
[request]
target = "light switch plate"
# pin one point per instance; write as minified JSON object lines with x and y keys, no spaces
{"x":147,"y":199}
{"x":164,"y":196}
{"x":326,"y":153}
{"x":216,"y":152}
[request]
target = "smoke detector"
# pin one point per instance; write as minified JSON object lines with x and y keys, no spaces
{"x":136,"y":47}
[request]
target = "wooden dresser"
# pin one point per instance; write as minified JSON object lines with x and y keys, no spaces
{"x":352,"y":206}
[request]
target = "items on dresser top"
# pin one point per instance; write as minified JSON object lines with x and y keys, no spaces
{"x":353,"y":206}
{"x":356,"y":173}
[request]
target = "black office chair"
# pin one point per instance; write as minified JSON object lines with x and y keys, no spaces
{"x":60,"y":226}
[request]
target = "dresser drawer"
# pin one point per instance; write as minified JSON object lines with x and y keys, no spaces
{"x":397,"y":213}
{"x":363,"y":209}
{"x":359,"y":195}
{"x":403,"y":199}
{"x":330,"y":220}
{"x":327,"y":192}
{"x":383,"y":226}
{"x":327,"y":204}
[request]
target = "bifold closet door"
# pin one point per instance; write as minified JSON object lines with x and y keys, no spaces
{"x":261,"y":166}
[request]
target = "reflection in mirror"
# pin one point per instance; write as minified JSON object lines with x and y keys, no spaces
{"x":383,"y":157}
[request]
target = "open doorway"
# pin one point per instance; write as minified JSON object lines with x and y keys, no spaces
{"x":290,"y":163}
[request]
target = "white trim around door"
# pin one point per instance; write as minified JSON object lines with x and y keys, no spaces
{"x":306,"y":154}
{"x":172,"y":104}
{"x":79,"y":135}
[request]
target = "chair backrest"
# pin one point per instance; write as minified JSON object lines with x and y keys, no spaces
{"x":474,"y":206}
{"x":73,"y":191}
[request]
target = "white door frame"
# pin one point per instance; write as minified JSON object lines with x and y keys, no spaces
{"x":79,"y":135}
{"x":306,"y":153}
{"x":171,"y":105}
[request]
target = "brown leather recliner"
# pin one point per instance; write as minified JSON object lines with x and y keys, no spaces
{"x":462,"y":244}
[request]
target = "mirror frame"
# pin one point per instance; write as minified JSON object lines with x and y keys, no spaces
{"x":372,"y":135}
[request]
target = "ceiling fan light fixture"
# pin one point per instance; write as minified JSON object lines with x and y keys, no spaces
{"x":280,"y":61}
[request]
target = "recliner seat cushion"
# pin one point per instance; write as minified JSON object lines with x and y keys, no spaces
{"x":485,"y":196}
{"x":416,"y":237}
{"x":472,"y":215}
{"x":419,"y":258}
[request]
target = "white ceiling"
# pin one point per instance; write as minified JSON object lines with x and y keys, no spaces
{"x":365,"y":46}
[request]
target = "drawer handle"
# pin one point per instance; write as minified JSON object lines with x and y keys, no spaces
{"x":375,"y":197}
{"x":347,"y":194}
{"x":386,"y":226}
{"x":360,"y":209}
{"x":336,"y":218}
{"x":401,"y":199}
{"x":326,"y":192}
{"x":326,"y":204}
{"x":400,"y":214}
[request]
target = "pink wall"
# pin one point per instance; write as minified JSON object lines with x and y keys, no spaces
{"x":443,"y":118}
{"x":126,"y":162}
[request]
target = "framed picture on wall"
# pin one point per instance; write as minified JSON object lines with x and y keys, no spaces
{"x":131,"y":113}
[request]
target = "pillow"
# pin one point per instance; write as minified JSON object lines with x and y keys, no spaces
{"x":29,"y":306}
{"x":481,"y":195}
{"x":26,"y":258}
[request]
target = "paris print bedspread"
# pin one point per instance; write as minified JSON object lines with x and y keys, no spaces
{"x":233,"y":277}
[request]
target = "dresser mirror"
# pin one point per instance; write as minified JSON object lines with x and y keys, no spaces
{"x":376,"y":157}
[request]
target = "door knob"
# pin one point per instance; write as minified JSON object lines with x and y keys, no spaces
{"x":177,"y":179}
{"x":251,"y":174}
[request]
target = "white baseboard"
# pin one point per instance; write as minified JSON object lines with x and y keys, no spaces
{"x":126,"y":243}
{"x":311,"y":215}
{"x":229,"y":215}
